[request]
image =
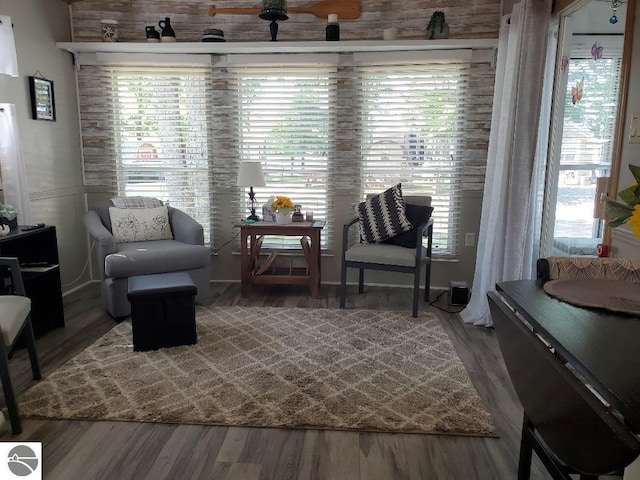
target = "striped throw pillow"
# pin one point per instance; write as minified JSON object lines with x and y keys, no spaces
{"x":383,"y":216}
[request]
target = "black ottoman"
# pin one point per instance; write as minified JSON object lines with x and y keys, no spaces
{"x":163,"y":310}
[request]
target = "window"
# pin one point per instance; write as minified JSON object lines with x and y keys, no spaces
{"x":412,"y":134}
{"x":284,"y":122}
{"x":587,"y":141}
{"x":159,"y":119}
{"x":327,"y":128}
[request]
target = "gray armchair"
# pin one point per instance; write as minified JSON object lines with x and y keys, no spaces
{"x":384,"y":256}
{"x":119,"y":261}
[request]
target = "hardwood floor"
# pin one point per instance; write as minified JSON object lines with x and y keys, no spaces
{"x":120,"y":450}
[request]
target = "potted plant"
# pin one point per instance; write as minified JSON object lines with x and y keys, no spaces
{"x":437,"y":27}
{"x":8,"y":215}
{"x":627,"y":211}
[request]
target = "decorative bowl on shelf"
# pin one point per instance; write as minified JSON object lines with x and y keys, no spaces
{"x":213,"y":35}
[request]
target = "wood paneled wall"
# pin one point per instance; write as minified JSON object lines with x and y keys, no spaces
{"x":467,"y":19}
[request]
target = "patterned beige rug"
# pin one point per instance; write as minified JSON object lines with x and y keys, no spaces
{"x":276,"y":367}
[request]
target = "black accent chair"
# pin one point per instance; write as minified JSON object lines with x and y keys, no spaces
{"x":394,"y":258}
{"x":569,"y":428}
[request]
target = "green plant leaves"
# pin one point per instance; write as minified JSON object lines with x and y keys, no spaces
{"x":617,"y":213}
{"x":630,"y":195}
{"x":635,"y":170}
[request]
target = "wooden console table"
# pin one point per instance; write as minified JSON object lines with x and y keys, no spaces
{"x":250,"y":252}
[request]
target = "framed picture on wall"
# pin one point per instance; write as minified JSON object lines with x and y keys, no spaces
{"x":43,"y":105}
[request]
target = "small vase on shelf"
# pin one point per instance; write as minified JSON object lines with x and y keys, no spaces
{"x":332,"y":29}
{"x":437,"y":28}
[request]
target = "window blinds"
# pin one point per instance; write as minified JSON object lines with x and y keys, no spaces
{"x":413,"y":133}
{"x":284,"y":120}
{"x":327,"y":131}
{"x":146,"y":132}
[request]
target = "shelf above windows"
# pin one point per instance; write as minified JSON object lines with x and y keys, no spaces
{"x":224,"y":48}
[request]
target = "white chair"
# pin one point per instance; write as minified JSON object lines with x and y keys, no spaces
{"x":15,"y":319}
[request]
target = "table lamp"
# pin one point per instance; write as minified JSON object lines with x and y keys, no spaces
{"x":250,"y":175}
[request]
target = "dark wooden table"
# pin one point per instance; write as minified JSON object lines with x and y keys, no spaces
{"x":250,"y":252}
{"x":37,"y":252}
{"x":603,"y":347}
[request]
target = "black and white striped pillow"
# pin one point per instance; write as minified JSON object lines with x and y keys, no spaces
{"x":383,"y":216}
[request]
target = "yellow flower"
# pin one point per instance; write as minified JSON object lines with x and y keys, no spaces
{"x":634,"y":221}
{"x":282,"y":204}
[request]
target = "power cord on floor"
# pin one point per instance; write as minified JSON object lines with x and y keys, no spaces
{"x":215,"y":252}
{"x":441,"y":308}
{"x":86,"y":264}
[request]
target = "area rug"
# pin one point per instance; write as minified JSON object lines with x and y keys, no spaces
{"x":276,"y":367}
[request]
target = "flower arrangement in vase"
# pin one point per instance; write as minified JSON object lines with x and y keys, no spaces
{"x":283,"y":206}
{"x":629,"y":211}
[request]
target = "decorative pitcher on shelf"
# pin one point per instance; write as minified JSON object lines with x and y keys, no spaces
{"x":152,"y":34}
{"x":167,"y":35}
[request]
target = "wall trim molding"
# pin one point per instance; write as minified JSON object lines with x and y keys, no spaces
{"x":59,"y":192}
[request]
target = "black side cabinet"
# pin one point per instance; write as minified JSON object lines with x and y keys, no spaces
{"x":37,"y":252}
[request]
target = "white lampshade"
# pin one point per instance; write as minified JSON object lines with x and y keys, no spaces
{"x":250,"y":175}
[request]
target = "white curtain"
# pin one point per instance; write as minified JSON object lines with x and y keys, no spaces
{"x":505,"y":241}
{"x":8,"y":58}
{"x":14,"y":174}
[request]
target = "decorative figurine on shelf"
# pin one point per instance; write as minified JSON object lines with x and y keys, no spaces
{"x":274,"y":10}
{"x":297,"y":214}
{"x":437,"y":27}
{"x":110,"y":30}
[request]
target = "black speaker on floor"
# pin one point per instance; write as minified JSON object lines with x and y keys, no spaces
{"x":458,"y":293}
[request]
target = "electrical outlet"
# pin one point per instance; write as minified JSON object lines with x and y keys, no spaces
{"x":469,"y":239}
{"x":634,"y":129}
